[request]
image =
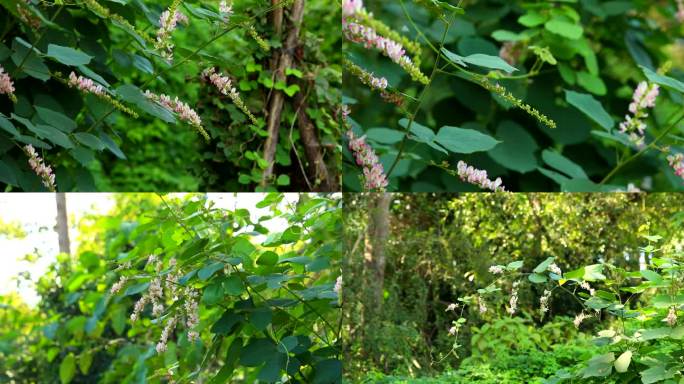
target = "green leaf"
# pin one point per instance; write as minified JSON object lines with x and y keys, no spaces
{"x":89,"y":140}
{"x":481,"y":60}
{"x":622,"y":362}
{"x":7,"y":175}
{"x":537,"y":278}
{"x":665,"y":81}
{"x":68,"y":56}
{"x":261,"y":318}
{"x":209,"y":270}
{"x":422,"y":134}
{"x":385,"y":135}
{"x":56,"y":119}
{"x":564,"y":28}
{"x":517,"y":150}
{"x":599,"y":366}
{"x":257,"y":352}
{"x":268,"y":258}
{"x":67,"y":369}
{"x":590,"y":107}
{"x":515,"y":265}
{"x":213,"y":294}
{"x":591,"y":83}
{"x":137,"y":288}
{"x":7,"y":125}
{"x":592,"y":272}
{"x":651,"y":276}
{"x":283,"y":180}
{"x":532,"y":19}
{"x":544,"y":265}
{"x":227,"y":322}
{"x":563,"y":164}
{"x":461,"y":140}
{"x":85,"y":360}
{"x":233,"y":285}
{"x":328,"y":371}
{"x":658,"y":373}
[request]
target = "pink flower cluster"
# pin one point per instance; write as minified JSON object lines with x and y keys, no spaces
{"x":85,"y":84}
{"x":167,"y":24}
{"x":223,"y":83}
{"x":40,"y":169}
{"x":370,"y":39}
{"x":373,"y":171}
{"x":183,"y":110}
{"x":6,"y":84}
{"x":378,"y":83}
{"x":478,"y":177}
{"x":351,"y":7}
{"x":680,"y":11}
{"x":226,"y":10}
{"x":644,"y":97}
{"x":677,"y":163}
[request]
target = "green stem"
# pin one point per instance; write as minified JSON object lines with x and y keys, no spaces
{"x":642,"y":151}
{"x":402,"y":146}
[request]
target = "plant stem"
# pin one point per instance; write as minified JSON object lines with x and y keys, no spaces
{"x":642,"y":151}
{"x":402,"y":146}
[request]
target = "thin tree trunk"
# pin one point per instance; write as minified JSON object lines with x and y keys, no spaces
{"x":62,"y":226}
{"x":374,"y":250}
{"x":323,"y":181}
{"x":285,"y":59}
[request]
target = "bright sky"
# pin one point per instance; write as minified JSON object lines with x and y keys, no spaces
{"x":37,"y":212}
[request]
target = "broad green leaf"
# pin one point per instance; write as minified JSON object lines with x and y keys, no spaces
{"x":209,"y":270}
{"x":213,"y":294}
{"x":537,"y":278}
{"x":599,"y":366}
{"x":651,"y":275}
{"x":85,"y":360}
{"x":257,"y":352}
{"x":328,"y":371}
{"x":384,"y":135}
{"x":514,"y":265}
{"x":261,"y":318}
{"x":233,"y":286}
{"x":422,"y":134}
{"x":137,"y":288}
{"x":590,"y":107}
{"x":7,"y":174}
{"x":532,"y":19}
{"x":658,"y":373}
{"x":56,"y":119}
{"x":227,"y":322}
{"x":268,"y":258}
{"x":459,"y":140}
{"x":7,"y":125}
{"x":591,"y":83}
{"x":563,"y":164}
{"x":481,"y":60}
{"x":68,"y":56}
{"x":565,"y":28}
{"x":89,"y":140}
{"x":67,"y":369}
{"x":663,"y":80}
{"x":544,"y":265}
{"x":517,"y":149}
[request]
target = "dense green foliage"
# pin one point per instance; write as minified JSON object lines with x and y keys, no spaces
{"x":532,"y":92}
{"x":93,"y":145}
{"x":265,"y":301}
{"x":440,"y":251}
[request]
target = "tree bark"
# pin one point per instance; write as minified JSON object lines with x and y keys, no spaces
{"x":62,"y":227}
{"x":323,"y":181}
{"x":374,"y":247}
{"x":285,"y":59}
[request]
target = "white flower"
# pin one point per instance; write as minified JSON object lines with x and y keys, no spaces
{"x":451,"y":307}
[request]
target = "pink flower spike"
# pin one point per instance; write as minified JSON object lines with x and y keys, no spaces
{"x":39,"y":168}
{"x":634,"y":126}
{"x":85,"y":84}
{"x":478,"y":177}
{"x":6,"y":84}
{"x":373,"y":171}
{"x":351,"y":7}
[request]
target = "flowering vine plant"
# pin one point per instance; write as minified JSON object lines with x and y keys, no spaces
{"x":635,"y":312}
{"x":73,"y":73}
{"x":522,"y":92}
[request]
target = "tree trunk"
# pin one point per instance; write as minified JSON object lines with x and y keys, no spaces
{"x":284,"y":59}
{"x":323,"y":181}
{"x":374,"y":247}
{"x":62,"y":226}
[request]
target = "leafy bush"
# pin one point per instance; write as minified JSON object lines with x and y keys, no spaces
{"x":99,"y":129}
{"x":520,"y":95}
{"x":168,"y":290}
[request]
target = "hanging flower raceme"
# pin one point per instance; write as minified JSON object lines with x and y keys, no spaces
{"x":351,"y":7}
{"x":579,"y":319}
{"x":671,"y":318}
{"x":677,"y":163}
{"x":644,"y":97}
{"x":6,"y":85}
{"x":225,"y":86}
{"x":367,"y":36}
{"x":182,"y":110}
{"x":373,"y":171}
{"x":378,"y":84}
{"x":39,"y":168}
{"x":87,"y":85}
{"x":478,"y":177}
{"x":263,"y":44}
{"x":225,"y":10}
{"x":168,"y":21}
